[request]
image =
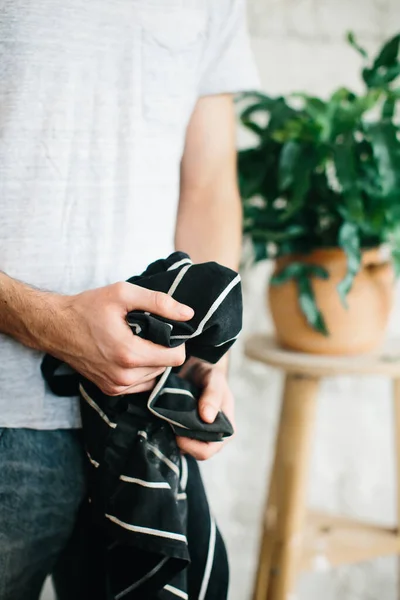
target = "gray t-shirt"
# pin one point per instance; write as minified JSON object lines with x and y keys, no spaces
{"x":95,"y":98}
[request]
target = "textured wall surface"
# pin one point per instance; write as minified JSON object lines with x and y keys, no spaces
{"x":299,"y":44}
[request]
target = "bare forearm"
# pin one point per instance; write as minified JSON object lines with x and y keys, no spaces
{"x":27,"y":314}
{"x":210,"y":216}
{"x":209,"y":225}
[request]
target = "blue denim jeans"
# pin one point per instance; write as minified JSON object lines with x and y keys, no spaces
{"x":42,"y":515}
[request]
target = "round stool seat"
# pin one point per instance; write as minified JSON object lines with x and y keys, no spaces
{"x":385,"y":361}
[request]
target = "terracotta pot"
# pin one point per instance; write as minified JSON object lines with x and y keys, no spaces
{"x":358,"y":329}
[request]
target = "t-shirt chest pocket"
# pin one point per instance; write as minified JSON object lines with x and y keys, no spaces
{"x":173,"y":42}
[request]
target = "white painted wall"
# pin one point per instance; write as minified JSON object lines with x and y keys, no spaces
{"x":299,"y":45}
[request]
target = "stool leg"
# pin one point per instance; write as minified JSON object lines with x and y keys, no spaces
{"x":396,"y":406}
{"x":286,"y":506}
{"x":267,"y":539}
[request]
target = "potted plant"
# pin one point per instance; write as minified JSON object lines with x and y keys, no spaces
{"x":321,"y":196}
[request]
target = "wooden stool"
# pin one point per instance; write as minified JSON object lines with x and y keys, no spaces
{"x":292,"y":539}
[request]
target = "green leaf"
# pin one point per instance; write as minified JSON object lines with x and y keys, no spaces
{"x":298,"y":269}
{"x":309,"y":306}
{"x":260,"y":251}
{"x":345,"y":159}
{"x":352,"y":41}
{"x":251,"y":167}
{"x":314,"y":107}
{"x":386,"y":151}
{"x":296,"y":164}
{"x":287,"y":233}
{"x":394,"y":239}
{"x":254,"y":127}
{"x":255,"y":101}
{"x":252,"y":96}
{"x":283,"y":117}
{"x":291,"y":271}
{"x":342,"y":94}
{"x":302,"y":274}
{"x":288,"y":164}
{"x":380,"y":77}
{"x":365,"y":103}
{"x":345,"y":111}
{"x":317,"y":271}
{"x":389,"y":107}
{"x":388,"y":55}
{"x":350,"y":243}
{"x":340,"y":99}
{"x":386,"y":66}
{"x":262,"y":106}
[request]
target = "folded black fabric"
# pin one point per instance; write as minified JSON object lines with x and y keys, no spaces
{"x":139,"y":482}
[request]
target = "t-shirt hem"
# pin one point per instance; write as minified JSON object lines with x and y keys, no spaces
{"x":252,"y":85}
{"x":40,"y":425}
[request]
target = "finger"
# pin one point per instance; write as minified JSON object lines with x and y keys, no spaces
{"x":125,"y":383}
{"x":130,"y":377}
{"x":158,"y":303}
{"x":199,"y":450}
{"x":122,"y":390}
{"x":145,"y":381}
{"x":143,"y":375}
{"x":141,"y":387}
{"x":211,"y":402}
{"x":145,"y":354}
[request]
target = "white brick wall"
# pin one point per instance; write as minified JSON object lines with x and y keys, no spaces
{"x":299,"y":45}
{"x":325,"y":20}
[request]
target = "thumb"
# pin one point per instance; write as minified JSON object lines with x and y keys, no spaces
{"x":210,"y":405}
{"x":158,"y":303}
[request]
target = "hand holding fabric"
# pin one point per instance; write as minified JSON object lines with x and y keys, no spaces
{"x":216,"y":396}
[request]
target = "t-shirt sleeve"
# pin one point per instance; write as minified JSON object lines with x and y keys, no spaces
{"x":230,"y":65}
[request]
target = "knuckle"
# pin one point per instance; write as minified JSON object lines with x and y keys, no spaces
{"x":112,"y":390}
{"x":106,"y":389}
{"x":119,"y":289}
{"x":121,"y":379}
{"x":161,"y":301}
{"x":202,"y":455}
{"x":124,"y":359}
{"x":179,"y":356}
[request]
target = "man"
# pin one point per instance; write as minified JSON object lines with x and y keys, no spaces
{"x":116,"y":130}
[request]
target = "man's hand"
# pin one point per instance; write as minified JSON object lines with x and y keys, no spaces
{"x":216,"y":396}
{"x":103,"y":347}
{"x":89,"y":331}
